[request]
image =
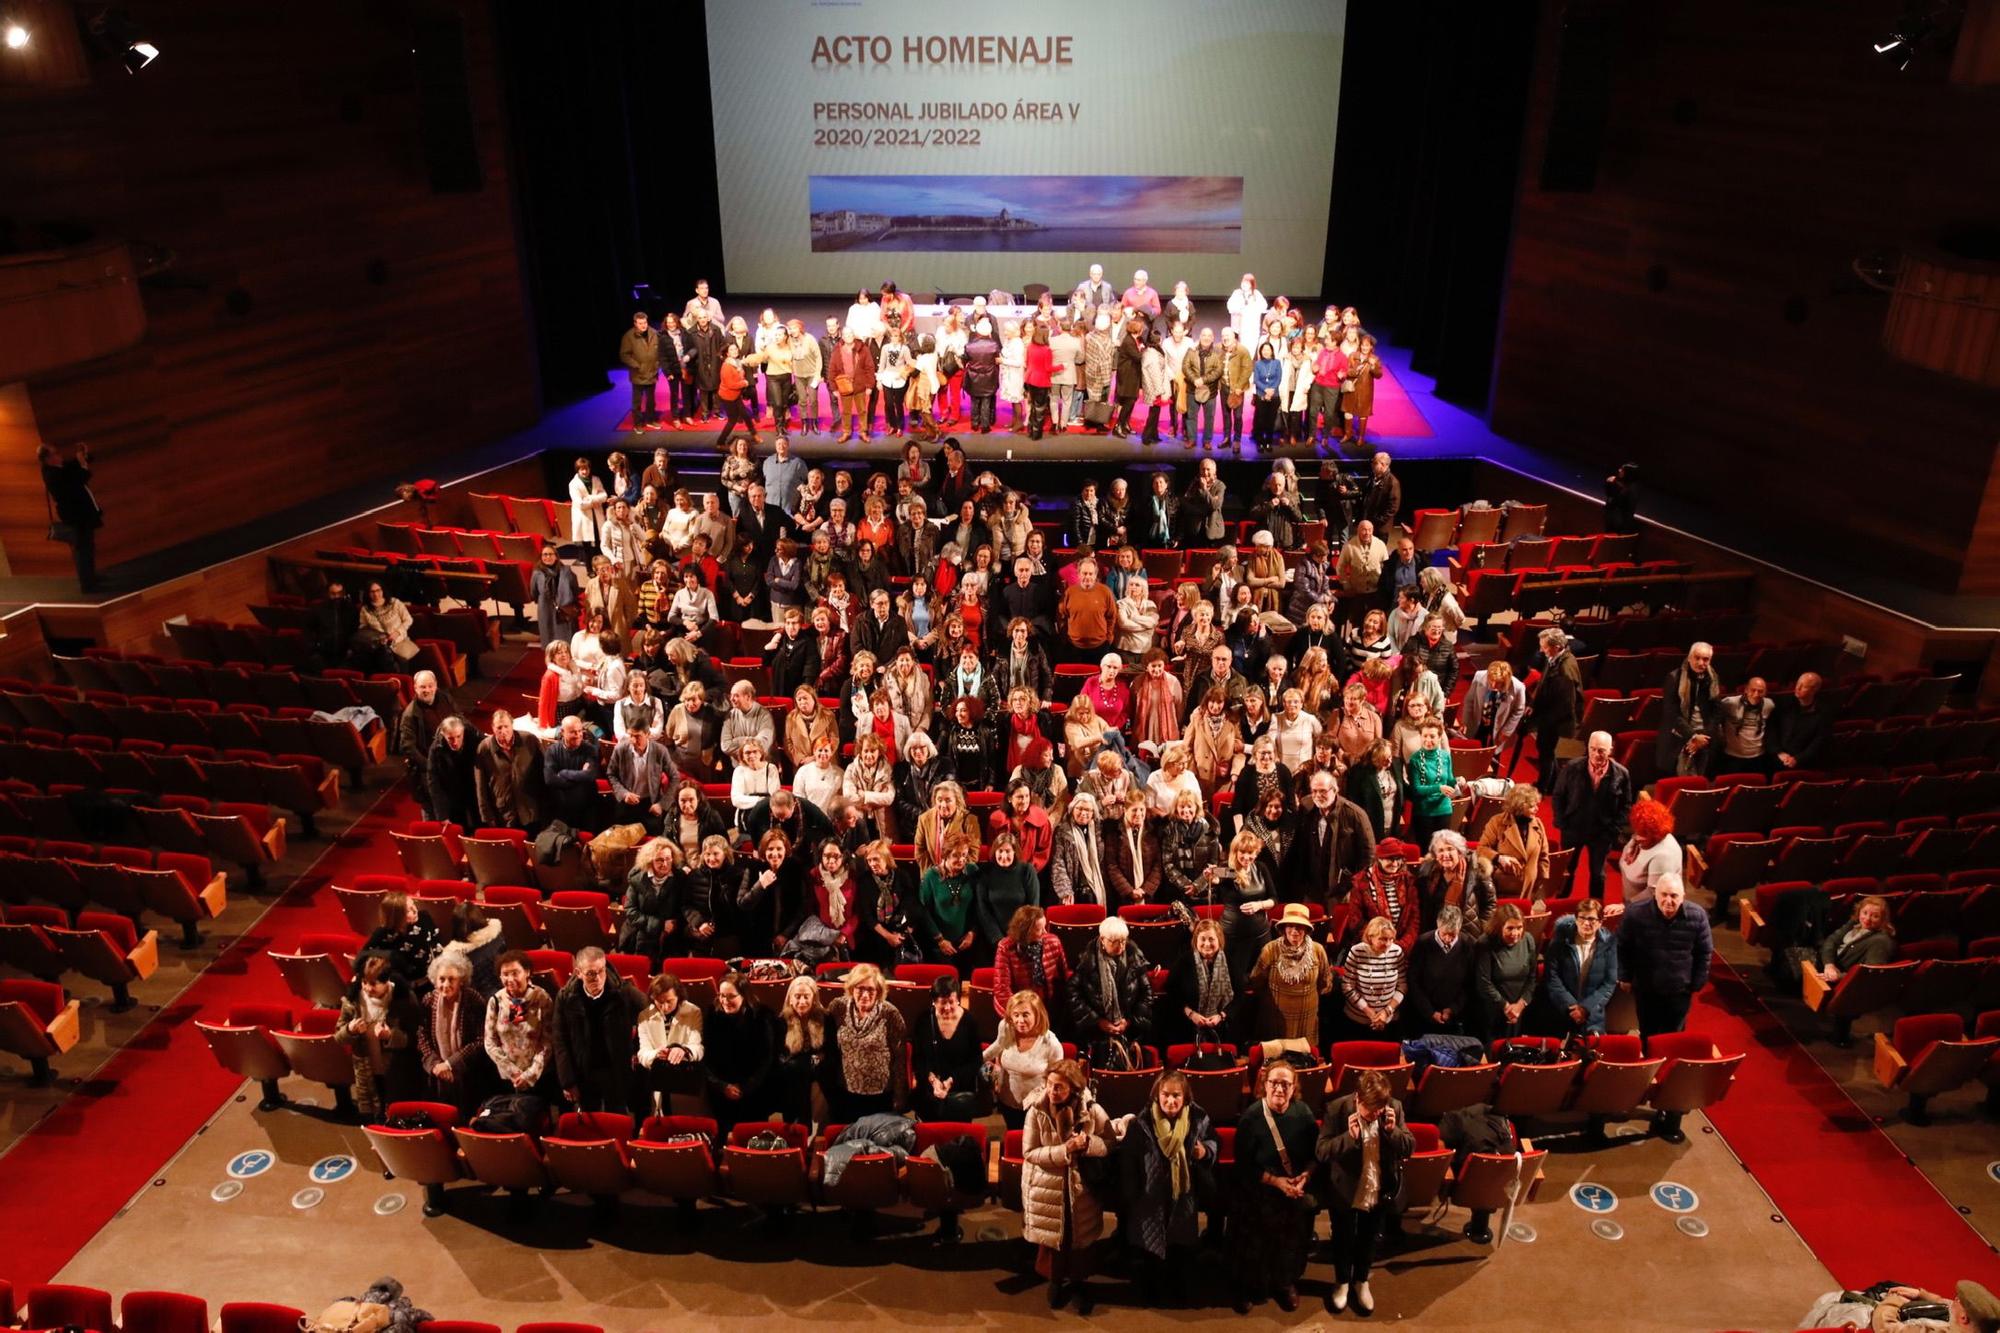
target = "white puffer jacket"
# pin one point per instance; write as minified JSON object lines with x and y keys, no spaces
{"x":1046,"y":1168}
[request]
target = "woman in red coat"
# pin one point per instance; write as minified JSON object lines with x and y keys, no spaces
{"x":1040,"y":371}
{"x":1028,"y":822}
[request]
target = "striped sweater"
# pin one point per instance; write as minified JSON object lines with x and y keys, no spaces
{"x":1372,"y":980}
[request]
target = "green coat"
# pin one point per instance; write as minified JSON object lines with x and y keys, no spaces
{"x":1430,"y":782}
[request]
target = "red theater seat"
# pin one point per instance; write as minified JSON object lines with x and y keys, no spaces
{"x":163,"y":1312}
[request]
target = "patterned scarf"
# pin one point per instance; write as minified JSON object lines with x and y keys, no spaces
{"x":1212,"y":989}
{"x":1296,"y":967}
{"x":1172,"y":1136}
{"x":836,"y":898}
{"x":864,"y":1049}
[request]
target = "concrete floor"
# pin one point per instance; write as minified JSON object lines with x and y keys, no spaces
{"x":640,"y":1270}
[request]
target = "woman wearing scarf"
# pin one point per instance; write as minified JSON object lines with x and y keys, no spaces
{"x":888,"y":901}
{"x":1271,"y":1224}
{"x":866,"y":1066}
{"x":1077,"y":864}
{"x":836,"y":896}
{"x":1030,"y":959}
{"x":1452,"y":877}
{"x":1199,"y":990}
{"x":947,"y":821}
{"x":448,"y":1039}
{"x":1165,"y":1160}
{"x":520,"y":1026}
{"x":1514,"y":846}
{"x":1291,"y":974}
{"x":1059,"y":1213}
{"x":1386,"y":889}
{"x":1158,"y":702}
{"x":379,"y":1022}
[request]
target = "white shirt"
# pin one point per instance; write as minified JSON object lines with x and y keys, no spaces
{"x":1162,"y":796}
{"x":819,"y":785}
{"x":1294,"y":739}
{"x":864,"y":319}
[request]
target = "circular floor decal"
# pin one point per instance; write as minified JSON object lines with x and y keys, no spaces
{"x":1692,"y":1226}
{"x":246,"y":1165}
{"x":390,"y":1204}
{"x":328,"y":1170}
{"x":308,"y":1197}
{"x":1993,"y":1172}
{"x":1522,"y":1233}
{"x":1675,"y":1198}
{"x":1592,"y":1197}
{"x":226,"y":1191}
{"x":1606,"y":1229}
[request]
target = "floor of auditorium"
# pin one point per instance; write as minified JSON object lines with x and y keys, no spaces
{"x":640,"y":1270}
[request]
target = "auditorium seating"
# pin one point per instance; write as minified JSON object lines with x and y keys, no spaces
{"x":37,"y":1023}
{"x":54,"y":1306}
{"x":183,"y":887}
{"x":1928,"y":1055}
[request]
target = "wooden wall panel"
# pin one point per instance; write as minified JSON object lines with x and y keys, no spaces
{"x":1751,"y":152}
{"x":275,"y":150}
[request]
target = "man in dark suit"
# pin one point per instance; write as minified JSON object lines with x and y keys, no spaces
{"x":705,"y":341}
{"x":570,"y":769}
{"x":1331,"y":844}
{"x":1557,"y":706}
{"x":1382,"y":496}
{"x":507,"y":777}
{"x":759,"y":525}
{"x":68,"y":487}
{"x":881,"y":631}
{"x":1591,"y":801}
{"x":1026,"y":597}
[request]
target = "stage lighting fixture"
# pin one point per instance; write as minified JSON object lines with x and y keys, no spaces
{"x":1925,"y":26}
{"x":17,"y":36}
{"x":113,"y":34}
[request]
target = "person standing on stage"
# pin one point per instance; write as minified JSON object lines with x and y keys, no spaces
{"x":639,"y":350}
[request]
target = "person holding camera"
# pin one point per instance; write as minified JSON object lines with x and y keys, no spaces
{"x":74,"y":514}
{"x":1363,"y":1143}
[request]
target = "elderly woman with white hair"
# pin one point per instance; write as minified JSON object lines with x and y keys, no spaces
{"x":1138,"y":618}
{"x":1450,"y":876}
{"x":1077,"y":865}
{"x":1111,"y":993}
{"x":451,"y":1039}
{"x":1265,"y":573}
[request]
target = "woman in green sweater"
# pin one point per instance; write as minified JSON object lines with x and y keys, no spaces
{"x":1006,"y":884}
{"x":946,"y":899}
{"x":1430,"y":784}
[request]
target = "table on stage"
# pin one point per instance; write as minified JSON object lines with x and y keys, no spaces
{"x":928,"y":317}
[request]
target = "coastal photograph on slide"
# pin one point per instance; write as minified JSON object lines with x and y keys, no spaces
{"x":1187,"y":214}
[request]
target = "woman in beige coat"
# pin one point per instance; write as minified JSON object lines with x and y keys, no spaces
{"x":1059,"y":1213}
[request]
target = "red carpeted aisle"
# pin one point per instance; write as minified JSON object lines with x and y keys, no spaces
{"x":1862,"y":1208}
{"x":69,"y":1175}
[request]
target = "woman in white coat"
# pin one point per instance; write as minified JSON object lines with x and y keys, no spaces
{"x":1058,"y":1212}
{"x":1246,"y":311}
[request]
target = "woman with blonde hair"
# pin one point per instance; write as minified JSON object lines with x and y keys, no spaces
{"x":1372,"y":981}
{"x":802,"y":1048}
{"x":691,"y":733}
{"x":948,"y":820}
{"x":1084,"y":733}
{"x":1319,"y":691}
{"x":871,"y":782}
{"x":1019,"y":1057}
{"x":867,"y":1051}
{"x":1171,"y":780}
{"x":1514,"y":845}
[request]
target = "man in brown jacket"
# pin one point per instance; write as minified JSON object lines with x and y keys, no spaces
{"x":507,"y":777}
{"x":1236,"y":359}
{"x":1087,"y":616}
